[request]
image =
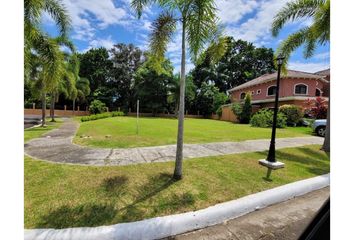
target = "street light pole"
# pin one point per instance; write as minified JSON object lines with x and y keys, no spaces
{"x":270,"y":162}
{"x":271,"y":153}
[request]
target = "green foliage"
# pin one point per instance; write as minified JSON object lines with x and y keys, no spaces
{"x":292,"y":113}
{"x":264,"y":119}
{"x":97,"y":107}
{"x":236,"y":108}
{"x":151,"y":87}
{"x":219,"y":100}
{"x":241,"y":62}
{"x":219,"y":112}
{"x":318,"y":33}
{"x":243,"y":111}
{"x":101,"y":115}
{"x":245,"y":115}
{"x":209,"y":99}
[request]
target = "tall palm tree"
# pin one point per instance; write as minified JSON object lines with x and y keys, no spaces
{"x":199,"y":26}
{"x":43,"y":46}
{"x":318,"y":33}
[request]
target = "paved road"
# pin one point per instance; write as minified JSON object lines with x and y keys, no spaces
{"x":283,"y":221}
{"x":57,"y":146}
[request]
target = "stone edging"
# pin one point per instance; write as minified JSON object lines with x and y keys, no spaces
{"x":161,"y":227}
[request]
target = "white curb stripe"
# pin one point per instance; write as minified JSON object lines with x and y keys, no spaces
{"x":160,"y":227}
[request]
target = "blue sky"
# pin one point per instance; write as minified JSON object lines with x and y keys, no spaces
{"x":106,"y":22}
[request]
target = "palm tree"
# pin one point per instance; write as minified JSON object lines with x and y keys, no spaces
{"x":199,"y":26}
{"x":43,"y":46}
{"x":318,"y":33}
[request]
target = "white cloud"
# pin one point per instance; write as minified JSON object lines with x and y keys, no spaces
{"x":100,"y":42}
{"x":231,"y":11}
{"x":308,"y":66}
{"x":257,"y":29}
{"x":83,"y":13}
{"x":322,"y":56}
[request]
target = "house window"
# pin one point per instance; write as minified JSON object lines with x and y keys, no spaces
{"x":301,"y":89}
{"x":258,"y":91}
{"x":318,"y":92}
{"x":243,"y":95}
{"x":271,"y":90}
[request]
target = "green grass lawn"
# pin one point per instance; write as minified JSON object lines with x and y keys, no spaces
{"x":59,"y":195}
{"x":162,"y":131}
{"x":39,"y":131}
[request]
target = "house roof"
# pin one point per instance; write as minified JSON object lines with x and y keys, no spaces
{"x":325,"y":72}
{"x":273,"y":76}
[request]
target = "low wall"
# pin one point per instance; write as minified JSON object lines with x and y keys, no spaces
{"x":59,"y":113}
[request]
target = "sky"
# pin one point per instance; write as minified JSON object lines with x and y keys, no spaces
{"x":97,"y":23}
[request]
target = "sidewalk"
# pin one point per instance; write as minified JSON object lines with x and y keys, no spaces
{"x":282,"y":221}
{"x":57,"y":146}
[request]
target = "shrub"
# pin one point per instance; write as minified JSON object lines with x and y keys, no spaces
{"x":97,"y":107}
{"x":264,"y":118}
{"x":100,"y":116}
{"x":219,"y":112}
{"x":244,"y":111}
{"x":319,"y":111}
{"x":292,"y":113}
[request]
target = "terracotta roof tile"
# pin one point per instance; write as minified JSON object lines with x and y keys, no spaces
{"x":273,"y":76}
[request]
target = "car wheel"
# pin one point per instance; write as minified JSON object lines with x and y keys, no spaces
{"x":321,"y":131}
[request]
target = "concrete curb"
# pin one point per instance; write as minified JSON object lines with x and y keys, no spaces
{"x":160,"y":227}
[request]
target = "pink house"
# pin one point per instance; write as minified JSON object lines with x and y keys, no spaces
{"x":295,"y":88}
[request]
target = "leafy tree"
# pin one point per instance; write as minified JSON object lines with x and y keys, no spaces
{"x":318,"y":33}
{"x":209,"y":99}
{"x":241,"y":62}
{"x":96,"y":66}
{"x":83,"y":88}
{"x":151,"y":87}
{"x":173,"y":98}
{"x":199,"y":25}
{"x":127,"y":59}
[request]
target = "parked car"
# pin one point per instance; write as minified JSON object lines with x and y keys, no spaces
{"x":319,"y":127}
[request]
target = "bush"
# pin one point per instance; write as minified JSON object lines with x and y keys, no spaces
{"x":97,"y":107}
{"x":244,"y":111}
{"x":292,"y":113}
{"x":219,"y":112}
{"x":264,"y":118}
{"x":100,"y":116}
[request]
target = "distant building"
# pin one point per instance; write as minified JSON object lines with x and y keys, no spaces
{"x":296,"y":88}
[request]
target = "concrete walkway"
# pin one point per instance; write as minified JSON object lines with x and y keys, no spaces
{"x":57,"y":146}
{"x":282,"y":221}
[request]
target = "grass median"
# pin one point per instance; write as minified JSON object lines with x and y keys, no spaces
{"x":120,"y":132}
{"x":60,"y":196}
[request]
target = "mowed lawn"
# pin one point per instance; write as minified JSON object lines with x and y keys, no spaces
{"x":120,"y":132}
{"x":60,"y":196}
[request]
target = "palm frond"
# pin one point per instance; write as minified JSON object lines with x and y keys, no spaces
{"x":293,"y":41}
{"x":138,"y":5}
{"x":201,"y":25}
{"x":295,"y":10}
{"x":162,"y":31}
{"x":57,"y":10}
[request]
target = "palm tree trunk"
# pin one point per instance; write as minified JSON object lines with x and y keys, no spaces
{"x":327,"y":140}
{"x":73,"y":106}
{"x":43,"y":108}
{"x":179,"y":152}
{"x":52,"y":105}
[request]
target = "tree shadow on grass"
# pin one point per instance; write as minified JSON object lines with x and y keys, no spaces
{"x":115,"y":186}
{"x":80,"y":216}
{"x":312,"y":162}
{"x":156,"y":184}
